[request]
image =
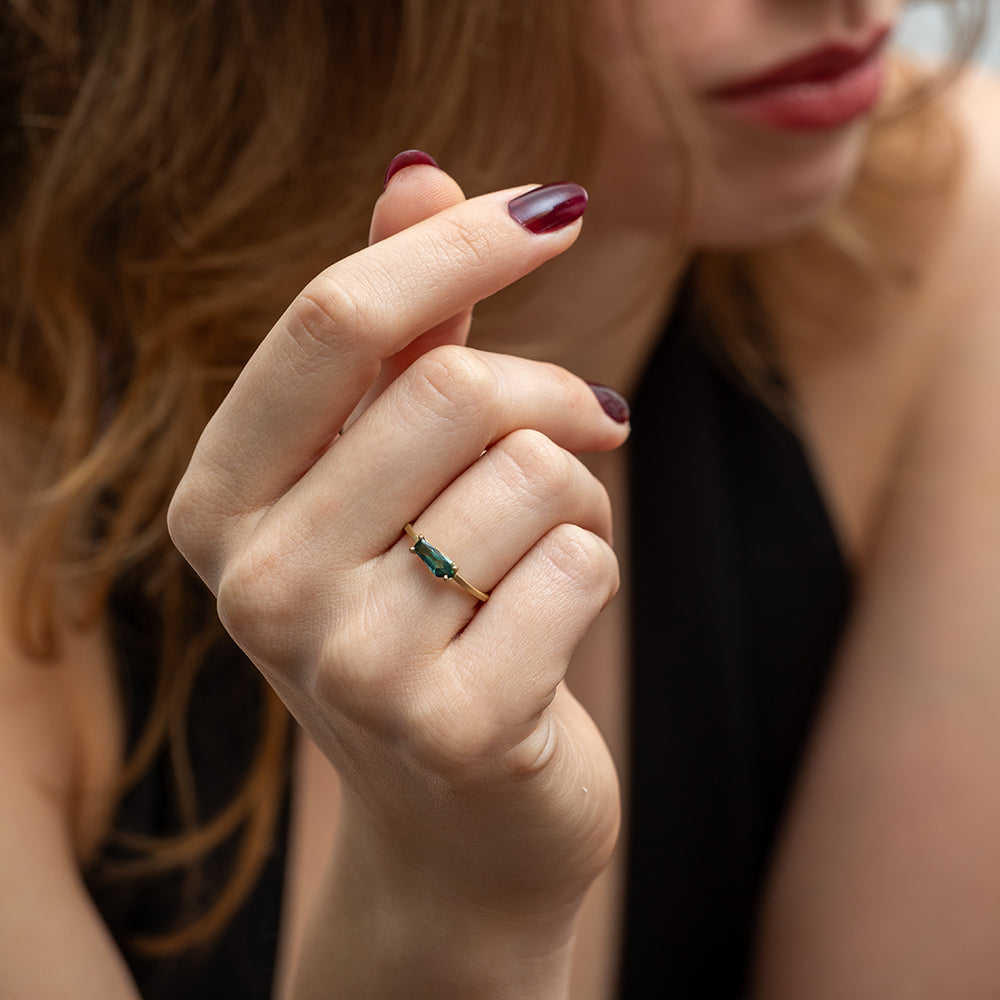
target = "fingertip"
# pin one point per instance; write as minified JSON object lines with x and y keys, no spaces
{"x":410,"y":196}
{"x":614,"y":404}
{"x":548,"y":208}
{"x":408,"y":158}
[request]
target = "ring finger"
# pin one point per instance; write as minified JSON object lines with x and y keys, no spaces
{"x":488,"y":519}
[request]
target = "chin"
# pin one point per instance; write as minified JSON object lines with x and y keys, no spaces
{"x":755,"y":200}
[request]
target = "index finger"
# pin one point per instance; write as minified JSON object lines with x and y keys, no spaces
{"x":316,"y":363}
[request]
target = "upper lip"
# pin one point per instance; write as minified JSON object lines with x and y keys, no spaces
{"x":827,"y":62}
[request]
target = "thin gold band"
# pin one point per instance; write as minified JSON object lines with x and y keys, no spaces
{"x":439,"y":564}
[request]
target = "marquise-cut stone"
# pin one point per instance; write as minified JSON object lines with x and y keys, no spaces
{"x":435,"y":560}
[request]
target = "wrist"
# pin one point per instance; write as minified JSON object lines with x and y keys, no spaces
{"x":441,"y":946}
{"x":387,"y":926}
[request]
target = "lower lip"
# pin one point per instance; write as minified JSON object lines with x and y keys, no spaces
{"x":817,"y":106}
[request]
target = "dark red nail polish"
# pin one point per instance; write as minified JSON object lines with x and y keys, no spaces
{"x":408,"y":158}
{"x":614,"y":404}
{"x":549,"y":207}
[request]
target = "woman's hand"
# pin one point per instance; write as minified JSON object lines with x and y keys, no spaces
{"x":469,"y":771}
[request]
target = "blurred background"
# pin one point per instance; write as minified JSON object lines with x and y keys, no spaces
{"x":925,"y":32}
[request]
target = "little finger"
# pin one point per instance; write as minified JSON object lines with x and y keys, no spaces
{"x":500,"y":674}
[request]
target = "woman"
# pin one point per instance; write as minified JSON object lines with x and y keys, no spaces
{"x":785,"y":263}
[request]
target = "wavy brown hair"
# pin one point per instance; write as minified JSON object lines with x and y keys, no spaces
{"x":174,"y":172}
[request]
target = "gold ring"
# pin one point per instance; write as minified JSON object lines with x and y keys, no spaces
{"x":439,"y":564}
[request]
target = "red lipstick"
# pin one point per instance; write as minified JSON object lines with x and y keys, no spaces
{"x":823,"y":89}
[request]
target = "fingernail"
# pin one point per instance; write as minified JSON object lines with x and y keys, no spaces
{"x":408,"y":158}
{"x":613,"y":404}
{"x":547,"y":208}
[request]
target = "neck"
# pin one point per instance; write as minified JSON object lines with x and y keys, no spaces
{"x":596,"y":310}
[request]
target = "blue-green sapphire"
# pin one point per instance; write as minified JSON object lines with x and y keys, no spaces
{"x":435,"y":560}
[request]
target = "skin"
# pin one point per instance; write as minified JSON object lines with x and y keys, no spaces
{"x":478,"y":800}
{"x":473,"y":734}
{"x":694,"y":48}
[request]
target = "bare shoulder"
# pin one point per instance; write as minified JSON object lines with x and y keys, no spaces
{"x":953,"y":445}
{"x":60,"y":729}
{"x":963,"y":279}
{"x":54,"y":760}
{"x":976,"y":99}
{"x":61,"y":741}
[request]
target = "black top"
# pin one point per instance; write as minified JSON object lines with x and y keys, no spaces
{"x":740,"y":595}
{"x":223,"y":726}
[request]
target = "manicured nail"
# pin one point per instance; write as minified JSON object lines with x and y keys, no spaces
{"x":549,"y":207}
{"x":408,"y":158}
{"x":613,"y":404}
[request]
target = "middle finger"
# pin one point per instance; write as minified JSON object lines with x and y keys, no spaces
{"x":433,"y":423}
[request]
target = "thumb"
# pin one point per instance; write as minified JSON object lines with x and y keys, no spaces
{"x":415,"y":189}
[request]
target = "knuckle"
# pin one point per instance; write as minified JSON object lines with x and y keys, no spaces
{"x":451,"y":382}
{"x":569,"y":388}
{"x":581,"y":558}
{"x":332,"y":309}
{"x":182,"y":515}
{"x":531,"y":463}
{"x":196,"y":523}
{"x":470,"y":244}
{"x":260,"y":602}
{"x":605,"y":509}
{"x":242,"y":598}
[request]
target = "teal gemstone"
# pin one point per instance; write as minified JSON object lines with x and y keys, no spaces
{"x":438,"y":563}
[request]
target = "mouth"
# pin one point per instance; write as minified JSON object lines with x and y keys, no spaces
{"x":825,"y":88}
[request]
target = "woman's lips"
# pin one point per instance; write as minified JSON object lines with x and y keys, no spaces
{"x":823,"y":89}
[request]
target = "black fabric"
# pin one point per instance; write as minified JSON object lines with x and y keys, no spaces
{"x":223,"y":729}
{"x":740,"y":594}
